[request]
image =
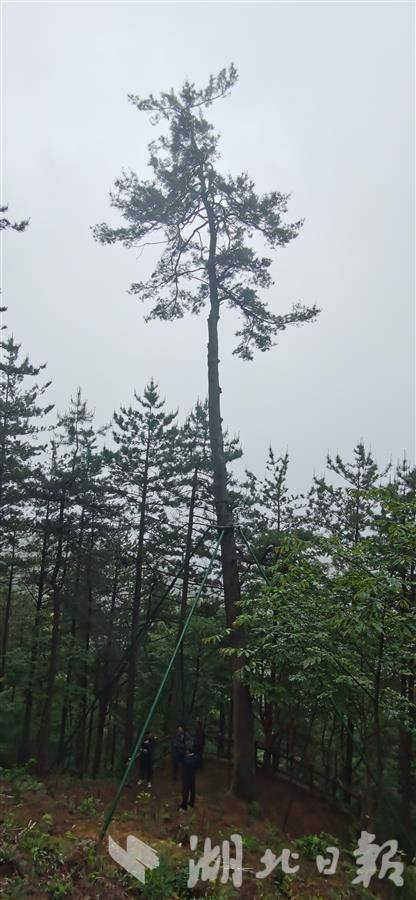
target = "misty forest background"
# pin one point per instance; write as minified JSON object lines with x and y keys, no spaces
{"x":106,"y":531}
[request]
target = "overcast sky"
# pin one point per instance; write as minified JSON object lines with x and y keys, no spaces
{"x":323,"y":109}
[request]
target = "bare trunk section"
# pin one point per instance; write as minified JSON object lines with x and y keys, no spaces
{"x":24,"y":752}
{"x":177,"y":711}
{"x":84,"y":670}
{"x":129,"y":730}
{"x":66,"y":705}
{"x":7,"y":611}
{"x":267,"y":717}
{"x":349,"y":739}
{"x":3,"y":445}
{"x":46,"y":716}
{"x":72,"y":653}
{"x":377,"y":723}
{"x":349,"y":756}
{"x":105,"y":695}
{"x":406,"y":753}
{"x":243,"y":777}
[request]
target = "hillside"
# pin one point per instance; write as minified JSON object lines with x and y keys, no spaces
{"x":49,"y":830}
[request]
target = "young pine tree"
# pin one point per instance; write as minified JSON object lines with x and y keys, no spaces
{"x":21,"y":423}
{"x":143,"y":469}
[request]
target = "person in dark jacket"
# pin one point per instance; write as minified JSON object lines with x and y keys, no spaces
{"x":178,"y":751}
{"x":199,"y":742}
{"x":146,"y":759}
{"x":190,"y":765}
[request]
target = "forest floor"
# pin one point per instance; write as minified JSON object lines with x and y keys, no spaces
{"x":48,"y":832}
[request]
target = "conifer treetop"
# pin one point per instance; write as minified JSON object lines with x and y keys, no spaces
{"x":202,"y":219}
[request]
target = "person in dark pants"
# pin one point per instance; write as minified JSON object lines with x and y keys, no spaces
{"x":190,"y":765}
{"x":178,"y":751}
{"x":199,"y":743}
{"x":146,"y":759}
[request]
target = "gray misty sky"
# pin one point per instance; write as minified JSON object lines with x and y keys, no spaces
{"x":323,"y":109}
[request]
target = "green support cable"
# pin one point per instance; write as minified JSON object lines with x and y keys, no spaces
{"x":115,"y":802}
{"x":261,"y":568}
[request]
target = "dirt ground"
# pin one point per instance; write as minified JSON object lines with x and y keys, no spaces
{"x":73,"y":811}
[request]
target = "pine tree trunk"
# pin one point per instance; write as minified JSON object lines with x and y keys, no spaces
{"x":66,"y":705}
{"x":243,"y":777}
{"x":267,"y":724}
{"x":177,"y":696}
{"x":105,"y":694}
{"x":83,"y":675}
{"x":196,"y":684}
{"x":406,"y":754}
{"x":230,"y":718}
{"x":377,"y":723}
{"x":4,"y":428}
{"x":46,"y":716}
{"x":129,"y":729}
{"x":349,"y":754}
{"x":72,"y":653}
{"x":7,"y":611}
{"x":89,"y":737}
{"x":349,"y":742}
{"x":113,"y":747}
{"x":221,"y":731}
{"x":24,"y":751}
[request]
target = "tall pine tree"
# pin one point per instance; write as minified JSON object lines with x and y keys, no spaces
{"x":207,"y":222}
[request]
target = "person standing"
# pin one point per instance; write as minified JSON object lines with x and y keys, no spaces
{"x":178,"y":751}
{"x":190,"y":765}
{"x":199,"y":743}
{"x":146,"y":759}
